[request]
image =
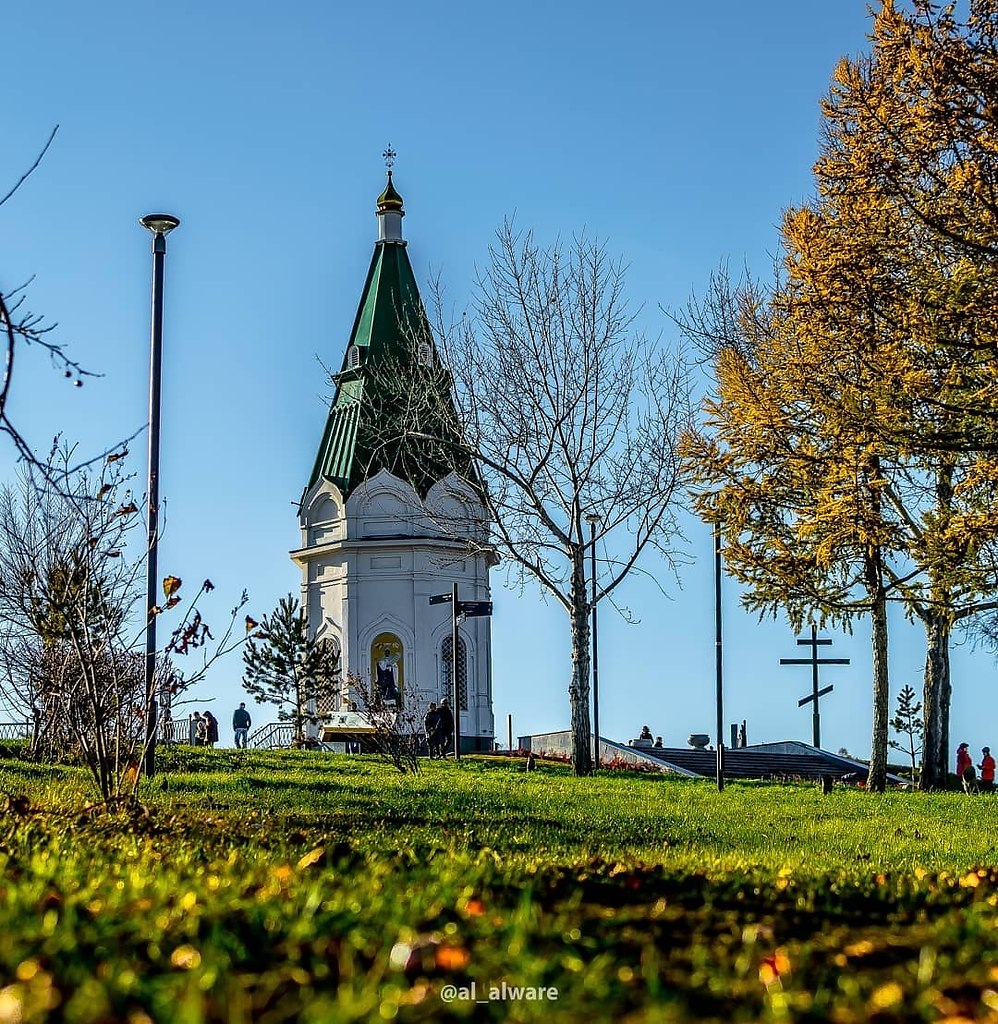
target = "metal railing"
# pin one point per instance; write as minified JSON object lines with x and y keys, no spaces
{"x":274,"y":736}
{"x":176,"y":730}
{"x":15,"y":730}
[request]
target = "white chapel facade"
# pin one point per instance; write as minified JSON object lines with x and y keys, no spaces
{"x":389,"y":520}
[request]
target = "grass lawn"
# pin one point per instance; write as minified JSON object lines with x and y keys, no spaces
{"x":322,"y":888}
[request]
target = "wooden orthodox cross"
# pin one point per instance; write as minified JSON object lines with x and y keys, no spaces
{"x":814,"y":661}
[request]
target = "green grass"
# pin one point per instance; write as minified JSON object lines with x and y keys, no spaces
{"x":303,"y":887}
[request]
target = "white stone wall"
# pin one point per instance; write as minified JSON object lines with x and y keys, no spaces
{"x":369,"y":566}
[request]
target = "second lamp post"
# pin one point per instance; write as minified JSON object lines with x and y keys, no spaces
{"x":160,"y":224}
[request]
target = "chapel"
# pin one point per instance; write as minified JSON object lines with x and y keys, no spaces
{"x":391,"y":515}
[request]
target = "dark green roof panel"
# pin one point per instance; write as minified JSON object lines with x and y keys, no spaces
{"x":360,"y":436}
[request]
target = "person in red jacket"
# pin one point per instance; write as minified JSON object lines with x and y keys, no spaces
{"x":965,"y":767}
{"x":987,"y":767}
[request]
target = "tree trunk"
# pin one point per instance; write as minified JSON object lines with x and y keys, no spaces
{"x":877,"y":780}
{"x":935,"y":703}
{"x":578,"y":690}
{"x":945,"y":696}
{"x":930,"y":778}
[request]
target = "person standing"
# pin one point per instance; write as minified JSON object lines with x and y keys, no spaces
{"x":987,"y":767}
{"x":965,"y":768}
{"x":200,"y":730}
{"x":431,"y":727}
{"x":446,"y":727}
{"x":241,"y":723}
{"x":211,"y":729}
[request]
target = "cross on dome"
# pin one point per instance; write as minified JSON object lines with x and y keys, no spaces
{"x":389,"y":207}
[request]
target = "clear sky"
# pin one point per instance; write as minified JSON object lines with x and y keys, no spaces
{"x":677,"y":132}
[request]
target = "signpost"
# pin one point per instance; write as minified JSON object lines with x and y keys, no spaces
{"x":468,"y":609}
{"x":814,"y":661}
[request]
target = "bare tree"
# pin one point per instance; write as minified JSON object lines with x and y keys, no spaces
{"x":19,"y":324}
{"x":558,"y":414}
{"x":72,"y":599}
{"x":397,"y":730}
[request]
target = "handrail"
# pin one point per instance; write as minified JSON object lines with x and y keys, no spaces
{"x":273,"y":736}
{"x":176,"y":730}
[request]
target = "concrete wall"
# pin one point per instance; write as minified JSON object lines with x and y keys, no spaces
{"x":559,"y":744}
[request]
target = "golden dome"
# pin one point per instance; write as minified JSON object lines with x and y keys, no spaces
{"x":389,"y":199}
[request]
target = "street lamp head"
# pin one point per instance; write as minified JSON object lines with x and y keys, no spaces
{"x":159,"y":223}
{"x":592,"y":518}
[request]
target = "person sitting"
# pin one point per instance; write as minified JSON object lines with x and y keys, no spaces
{"x":658,"y":742}
{"x":645,"y":738}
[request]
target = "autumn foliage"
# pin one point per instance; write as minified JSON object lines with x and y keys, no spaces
{"x":850,"y":451}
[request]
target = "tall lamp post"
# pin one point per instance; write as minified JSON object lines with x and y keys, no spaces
{"x":718,"y":660}
{"x":160,"y":224}
{"x":593,"y":520}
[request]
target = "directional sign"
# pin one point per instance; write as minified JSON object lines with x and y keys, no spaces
{"x":441,"y":599}
{"x":472,"y":608}
{"x":811,"y":696}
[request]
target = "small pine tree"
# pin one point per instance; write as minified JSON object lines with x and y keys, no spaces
{"x":287,"y":667}
{"x":907,"y":722}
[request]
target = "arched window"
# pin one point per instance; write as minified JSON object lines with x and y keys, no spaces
{"x":446,"y":664}
{"x":353,"y":357}
{"x":329,"y":695}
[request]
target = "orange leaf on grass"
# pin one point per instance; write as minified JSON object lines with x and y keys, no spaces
{"x":452,"y":958}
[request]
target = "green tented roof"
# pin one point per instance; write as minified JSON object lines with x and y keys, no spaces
{"x":362,"y":435}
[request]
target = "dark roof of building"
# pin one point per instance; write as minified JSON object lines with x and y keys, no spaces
{"x":805,"y":762}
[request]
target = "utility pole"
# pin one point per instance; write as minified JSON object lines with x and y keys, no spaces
{"x":718,"y":660}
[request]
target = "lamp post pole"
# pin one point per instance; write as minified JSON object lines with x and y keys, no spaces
{"x":593,"y":520}
{"x":718,"y":660}
{"x":455,"y":691}
{"x":160,"y":224}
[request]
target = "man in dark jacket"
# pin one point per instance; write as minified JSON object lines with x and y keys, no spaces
{"x":241,"y":722}
{"x":431,"y":728}
{"x":446,"y":720}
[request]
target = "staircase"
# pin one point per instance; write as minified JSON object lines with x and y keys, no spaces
{"x":275,"y":736}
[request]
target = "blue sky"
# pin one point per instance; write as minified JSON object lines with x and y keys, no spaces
{"x":677,"y":132}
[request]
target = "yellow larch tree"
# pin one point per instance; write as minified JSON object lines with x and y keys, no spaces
{"x":856,"y":399}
